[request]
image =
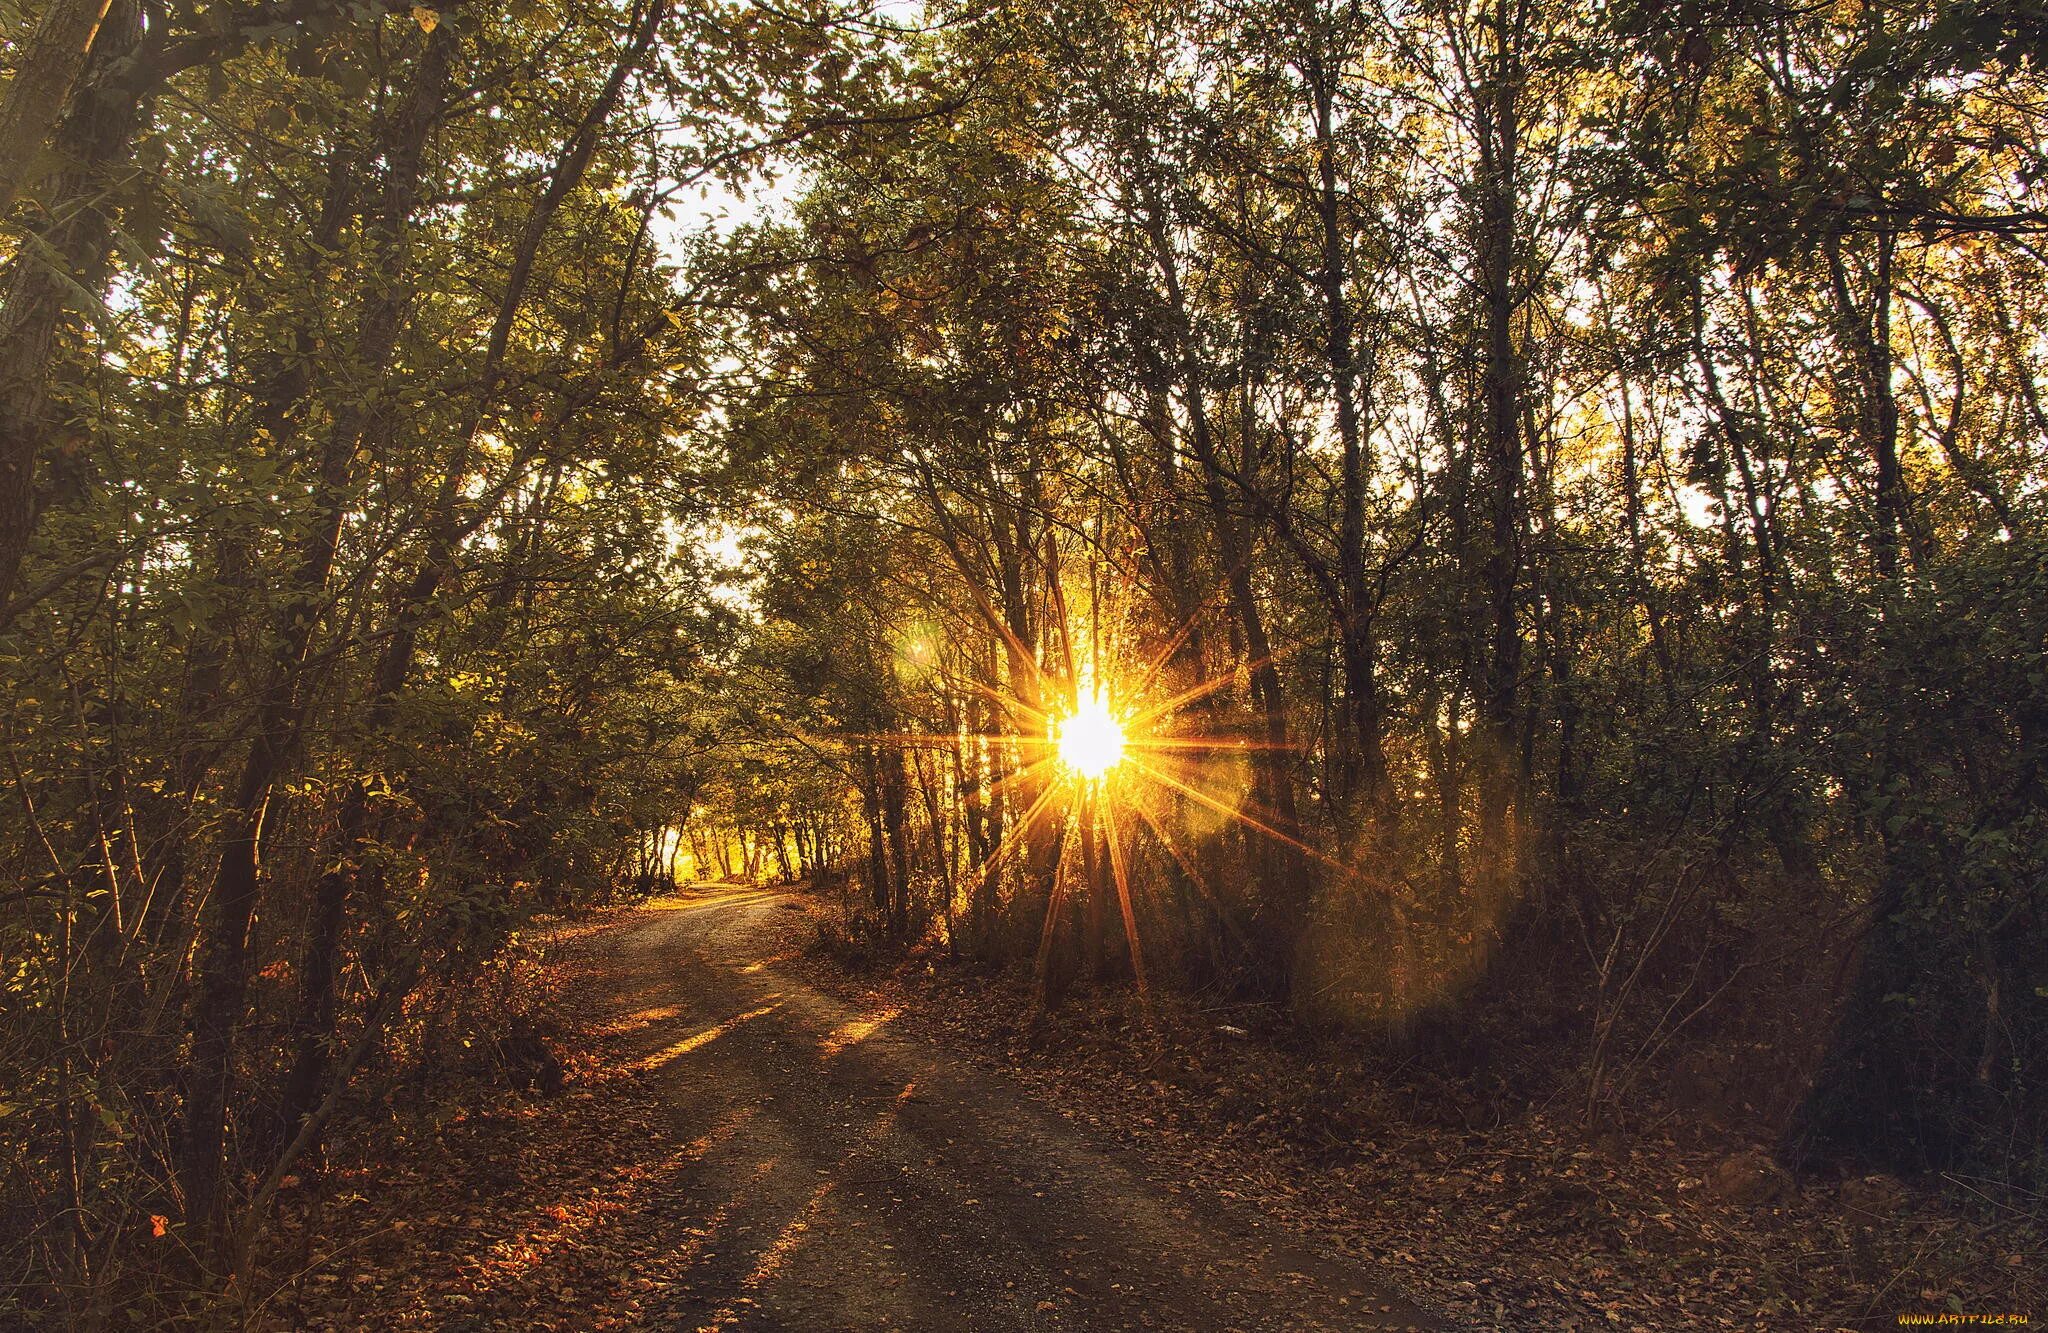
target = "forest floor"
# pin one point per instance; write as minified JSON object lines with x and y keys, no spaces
{"x":754,"y":1137}
{"x":738,"y":1147}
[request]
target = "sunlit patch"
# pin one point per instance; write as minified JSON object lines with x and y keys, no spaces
{"x":638,"y":1019}
{"x":1090,"y":739}
{"x":855,"y":1031}
{"x":701,"y":1039}
{"x":555,"y":934}
{"x":776,"y":1257}
{"x":710,"y":896}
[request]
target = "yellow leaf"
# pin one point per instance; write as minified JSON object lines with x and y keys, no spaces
{"x":428,"y":19}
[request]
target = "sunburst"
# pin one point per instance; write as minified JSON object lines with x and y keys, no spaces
{"x":1090,"y":739}
{"x":1098,"y":759}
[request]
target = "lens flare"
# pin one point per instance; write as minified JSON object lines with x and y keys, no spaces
{"x":1090,"y":739}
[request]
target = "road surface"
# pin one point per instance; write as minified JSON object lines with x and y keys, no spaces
{"x":846,"y":1176}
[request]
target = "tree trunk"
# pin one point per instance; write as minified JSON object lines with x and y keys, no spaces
{"x":42,"y":81}
{"x":1497,"y":692}
{"x":878,"y":837}
{"x":895,"y":819}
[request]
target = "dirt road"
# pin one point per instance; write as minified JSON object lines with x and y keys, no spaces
{"x":829,"y":1173}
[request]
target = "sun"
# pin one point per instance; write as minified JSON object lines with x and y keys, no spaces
{"x":1090,"y":740}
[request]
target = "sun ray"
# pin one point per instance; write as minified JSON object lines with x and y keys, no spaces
{"x":928,"y":738}
{"x":1090,"y":762}
{"x":1208,"y":687}
{"x":1038,"y":716}
{"x":1018,"y":832}
{"x":1053,"y":903}
{"x":1180,"y":635}
{"x":1207,"y":743}
{"x":1238,"y":813}
{"x":1195,"y":877}
{"x":1015,"y":777}
{"x":1019,"y":651}
{"x":1119,"y":873}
